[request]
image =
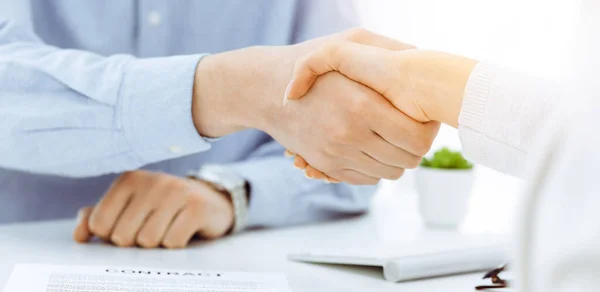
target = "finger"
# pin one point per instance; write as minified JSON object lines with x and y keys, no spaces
{"x":158,"y":222}
{"x":183,"y":228}
{"x":300,"y":163}
{"x":313,"y":173}
{"x":131,"y":220}
{"x":107,"y":211}
{"x":370,"y":66}
{"x":405,"y":133}
{"x":399,"y":129}
{"x":332,"y":180}
{"x":369,"y":166}
{"x":384,"y":152}
{"x":288,"y":154}
{"x":353,"y":177}
{"x":82,"y":232}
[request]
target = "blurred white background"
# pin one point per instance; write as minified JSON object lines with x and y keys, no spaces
{"x":532,"y":36}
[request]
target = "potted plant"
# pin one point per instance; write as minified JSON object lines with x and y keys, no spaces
{"x":444,"y":184}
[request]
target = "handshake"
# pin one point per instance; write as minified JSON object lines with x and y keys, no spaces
{"x":357,"y":107}
{"x":360,"y":107}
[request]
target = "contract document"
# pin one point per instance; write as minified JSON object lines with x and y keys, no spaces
{"x":50,"y":278}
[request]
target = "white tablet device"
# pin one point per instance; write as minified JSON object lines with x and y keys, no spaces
{"x":416,"y":260}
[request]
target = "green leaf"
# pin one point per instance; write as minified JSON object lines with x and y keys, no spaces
{"x":447,"y":159}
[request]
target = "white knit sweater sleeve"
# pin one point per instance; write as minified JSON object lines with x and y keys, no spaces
{"x":501,"y":115}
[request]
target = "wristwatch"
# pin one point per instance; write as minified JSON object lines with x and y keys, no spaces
{"x":227,"y":181}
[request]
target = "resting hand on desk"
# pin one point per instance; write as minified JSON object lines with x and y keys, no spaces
{"x":427,"y":86}
{"x":153,"y":209}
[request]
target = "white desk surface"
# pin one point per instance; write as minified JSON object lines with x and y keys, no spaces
{"x":393,"y":219}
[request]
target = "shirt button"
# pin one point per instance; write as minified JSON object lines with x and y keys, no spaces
{"x":176,"y":149}
{"x":154,"y":18}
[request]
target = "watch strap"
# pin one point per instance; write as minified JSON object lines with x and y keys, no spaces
{"x":236,"y":187}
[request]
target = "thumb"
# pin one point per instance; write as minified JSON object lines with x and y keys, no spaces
{"x":82,"y":233}
{"x":370,"y":66}
{"x":308,"y":69}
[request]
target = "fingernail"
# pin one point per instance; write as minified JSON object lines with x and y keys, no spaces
{"x":306,"y":175}
{"x":287,"y":93}
{"x":327,"y":181}
{"x":287,"y":154}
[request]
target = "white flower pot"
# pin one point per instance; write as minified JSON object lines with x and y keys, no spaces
{"x":444,"y":195}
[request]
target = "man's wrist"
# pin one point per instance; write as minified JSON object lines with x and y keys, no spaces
{"x":241,"y":89}
{"x":211,"y":117}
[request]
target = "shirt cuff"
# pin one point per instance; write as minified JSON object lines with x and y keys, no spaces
{"x":156,"y":108}
{"x":472,"y":113}
{"x":275,"y":188}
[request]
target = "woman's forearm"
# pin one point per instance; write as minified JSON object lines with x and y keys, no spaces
{"x":499,"y":113}
{"x":438,"y":81}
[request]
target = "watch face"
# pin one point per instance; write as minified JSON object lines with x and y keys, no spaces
{"x":222,"y":177}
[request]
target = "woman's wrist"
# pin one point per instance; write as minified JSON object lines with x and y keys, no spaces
{"x":441,"y":83}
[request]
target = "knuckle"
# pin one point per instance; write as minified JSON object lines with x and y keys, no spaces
{"x":397,"y":174}
{"x":173,"y":184}
{"x":120,"y":240}
{"x":171,"y":244}
{"x":343,"y":134}
{"x":147,"y":241}
{"x":329,"y":162}
{"x":99,"y":226}
{"x":414,"y":162}
{"x":195,"y":202}
{"x":422,"y":146}
{"x":329,"y":151}
{"x":327,"y":165}
{"x":131,"y":175}
{"x":356,"y":33}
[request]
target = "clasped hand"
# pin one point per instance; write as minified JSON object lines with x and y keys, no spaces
{"x":381,"y":125}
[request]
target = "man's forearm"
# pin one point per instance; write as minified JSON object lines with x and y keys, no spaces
{"x":240,"y":89}
{"x":113,"y":113}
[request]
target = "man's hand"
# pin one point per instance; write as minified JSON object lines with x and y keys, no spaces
{"x":352,"y":133}
{"x":347,"y":129}
{"x":153,"y":209}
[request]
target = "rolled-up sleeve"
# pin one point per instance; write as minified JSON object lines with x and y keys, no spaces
{"x":75,"y":113}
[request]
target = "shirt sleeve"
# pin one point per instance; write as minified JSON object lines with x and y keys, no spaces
{"x":502,"y":114}
{"x":281,"y":195}
{"x":75,"y":113}
{"x":317,"y":18}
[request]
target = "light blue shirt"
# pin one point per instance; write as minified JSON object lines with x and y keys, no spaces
{"x":105,"y":86}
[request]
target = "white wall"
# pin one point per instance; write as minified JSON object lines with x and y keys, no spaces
{"x":529,"y":35}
